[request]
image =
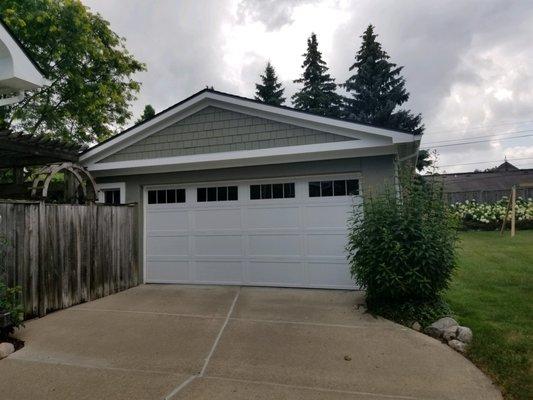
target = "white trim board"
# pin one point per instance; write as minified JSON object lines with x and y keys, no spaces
{"x":112,"y":185}
{"x":275,"y":155}
{"x":209,"y":98}
{"x":17,"y":71}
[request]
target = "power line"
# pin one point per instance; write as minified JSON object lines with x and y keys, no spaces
{"x":473,"y":142}
{"x":478,"y":127}
{"x":479,"y":137}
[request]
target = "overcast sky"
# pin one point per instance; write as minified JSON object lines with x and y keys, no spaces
{"x":468,"y":64}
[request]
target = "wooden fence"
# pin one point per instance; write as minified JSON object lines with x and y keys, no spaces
{"x":62,"y":255}
{"x":486,"y":196}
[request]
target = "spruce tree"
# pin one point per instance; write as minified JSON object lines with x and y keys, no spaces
{"x":377,"y":89}
{"x":270,"y":91}
{"x":318,"y":94}
{"x":148,"y":113}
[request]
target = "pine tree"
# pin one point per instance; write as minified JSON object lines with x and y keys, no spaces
{"x":270,"y":91}
{"x":318,"y":94}
{"x":377,"y":89}
{"x":148,"y":113}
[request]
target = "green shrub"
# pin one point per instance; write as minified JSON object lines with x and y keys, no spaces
{"x":401,"y":249}
{"x":9,"y":296}
{"x":406,"y":313}
{"x":10,"y":302}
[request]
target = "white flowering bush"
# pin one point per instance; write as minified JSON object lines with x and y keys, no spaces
{"x":488,"y":216}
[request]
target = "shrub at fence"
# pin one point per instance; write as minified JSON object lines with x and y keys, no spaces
{"x":11,"y":310}
{"x":485,"y":216}
{"x":402,"y":251}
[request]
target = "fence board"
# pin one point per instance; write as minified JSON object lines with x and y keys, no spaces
{"x":486,"y":196}
{"x":63,"y":255}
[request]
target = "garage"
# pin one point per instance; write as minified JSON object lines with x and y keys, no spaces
{"x":278,"y":232}
{"x":234,"y":191}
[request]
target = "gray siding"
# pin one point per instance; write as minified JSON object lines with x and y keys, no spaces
{"x":375,"y":171}
{"x":214,"y":130}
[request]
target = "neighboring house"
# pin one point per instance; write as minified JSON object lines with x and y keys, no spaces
{"x":488,"y":186}
{"x":234,"y":191}
{"x":18,"y":72}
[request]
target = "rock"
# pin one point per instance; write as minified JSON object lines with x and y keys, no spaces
{"x":361,"y":307}
{"x":416,"y":326}
{"x":449,"y":333}
{"x":348,"y":358}
{"x":464,"y":334}
{"x":457,"y":345}
{"x":437,"y":328}
{"x":6,"y":349}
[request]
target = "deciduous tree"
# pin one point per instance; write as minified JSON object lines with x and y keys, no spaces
{"x":90,"y":71}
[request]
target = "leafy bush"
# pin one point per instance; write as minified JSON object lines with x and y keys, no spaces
{"x":9,"y":296}
{"x":425,"y":313}
{"x":10,"y":302}
{"x":486,"y":216}
{"x":402,"y":250}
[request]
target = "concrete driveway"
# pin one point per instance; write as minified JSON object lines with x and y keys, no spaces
{"x":198,"y":342}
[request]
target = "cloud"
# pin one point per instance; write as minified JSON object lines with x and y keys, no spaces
{"x":180,"y":42}
{"x":468,"y":65}
{"x":273,"y":14}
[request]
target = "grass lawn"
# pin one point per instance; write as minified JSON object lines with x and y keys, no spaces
{"x":492,"y":293}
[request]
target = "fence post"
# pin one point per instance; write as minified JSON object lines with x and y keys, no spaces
{"x":513,"y":210}
{"x":42,"y":237}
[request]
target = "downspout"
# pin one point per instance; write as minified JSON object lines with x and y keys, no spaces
{"x":399,"y":160}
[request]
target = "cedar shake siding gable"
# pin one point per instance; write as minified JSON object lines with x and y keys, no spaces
{"x":215,"y":130}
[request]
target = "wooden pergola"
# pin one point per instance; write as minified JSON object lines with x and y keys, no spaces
{"x":19,"y":151}
{"x":24,"y":150}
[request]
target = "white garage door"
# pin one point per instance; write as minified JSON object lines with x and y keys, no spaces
{"x":282,"y":232}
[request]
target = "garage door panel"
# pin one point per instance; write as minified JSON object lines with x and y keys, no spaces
{"x":217,"y":245}
{"x":272,"y":218}
{"x":326,"y":245}
{"x":167,"y":271}
{"x":324,"y":216}
{"x":297,"y":241}
{"x":275,"y":273}
{"x":218,"y":219}
{"x":221,"y":271}
{"x":167,"y":220}
{"x":326,"y":274}
{"x":274,"y":245}
{"x":168,"y":245}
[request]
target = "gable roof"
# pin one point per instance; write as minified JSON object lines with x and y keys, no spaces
{"x":22,"y":47}
{"x":506,"y":166}
{"x":208,"y":97}
{"x":19,"y":70}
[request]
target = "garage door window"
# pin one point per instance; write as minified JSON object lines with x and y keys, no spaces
{"x":220,"y":193}
{"x":272,"y":191}
{"x":347,"y":187}
{"x":166,"y":196}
